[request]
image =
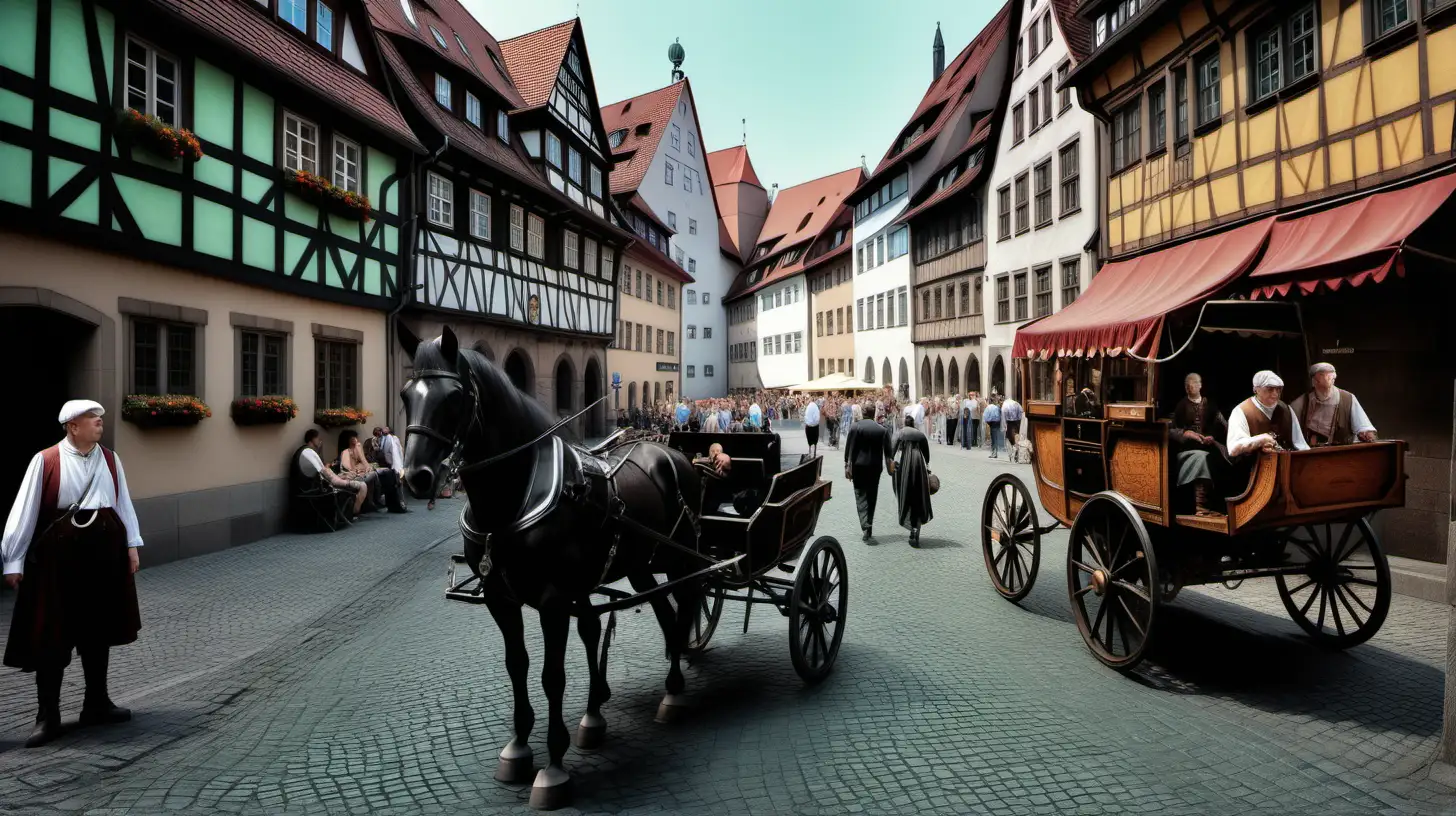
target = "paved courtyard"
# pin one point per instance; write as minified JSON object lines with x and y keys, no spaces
{"x":311,"y":674}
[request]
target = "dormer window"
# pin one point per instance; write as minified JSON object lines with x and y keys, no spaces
{"x":912,"y":136}
{"x":805,"y":222}
{"x":409,"y":12}
{"x":503,"y":126}
{"x":323,"y":32}
{"x":472,"y":109}
{"x":295,"y":13}
{"x":461,"y":43}
{"x":643,"y":128}
{"x":499,"y":67}
{"x":439,"y":40}
{"x":442,"y":91}
{"x":616,"y":138}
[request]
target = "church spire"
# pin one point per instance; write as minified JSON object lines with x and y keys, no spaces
{"x":938,"y":49}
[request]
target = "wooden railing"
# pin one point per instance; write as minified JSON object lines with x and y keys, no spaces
{"x":967,"y":258}
{"x":955,"y":328}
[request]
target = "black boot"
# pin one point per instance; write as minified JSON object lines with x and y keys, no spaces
{"x":98,"y":708}
{"x":48,"y":694}
{"x":915,"y":538}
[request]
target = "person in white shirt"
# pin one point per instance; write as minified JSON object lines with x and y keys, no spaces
{"x":70,"y":548}
{"x":811,"y":426}
{"x":1263,"y":422}
{"x":916,"y":411}
{"x":310,"y":465}
{"x":1330,"y":415}
{"x":971,"y":417}
{"x":1011,"y":416}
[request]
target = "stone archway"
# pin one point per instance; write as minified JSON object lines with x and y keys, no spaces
{"x":564,"y":386}
{"x":998,"y":375}
{"x":939,"y":377}
{"x":592,"y":391}
{"x":656,"y":393}
{"x":925,"y":375}
{"x":869,"y":370}
{"x":973,"y":373}
{"x":904,"y":377}
{"x":521,"y":372}
{"x":887,"y":375}
{"x":955,"y":377}
{"x":632,"y":395}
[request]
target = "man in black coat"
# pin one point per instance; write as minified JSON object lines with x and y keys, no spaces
{"x":866,"y":455}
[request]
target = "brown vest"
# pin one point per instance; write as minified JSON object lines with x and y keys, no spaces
{"x":1282,"y":423}
{"x":50,"y":480}
{"x":1340,"y":433}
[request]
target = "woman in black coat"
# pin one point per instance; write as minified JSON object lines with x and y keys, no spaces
{"x":912,"y":479}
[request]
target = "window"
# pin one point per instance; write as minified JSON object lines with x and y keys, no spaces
{"x":553,"y":149}
{"x":1285,"y":51}
{"x":472,"y":109}
{"x":661,"y":336}
{"x":1043,"y":282}
{"x":1022,"y":185}
{"x":692,"y":297}
{"x":1390,"y":15}
{"x":1046,"y":31}
{"x":637,"y":339}
{"x":589,"y":256}
{"x":596,"y":181}
{"x":1071,"y":281}
{"x":1266,"y":62}
{"x":336,"y":373}
{"x":692,"y":226}
{"x":571,"y":249}
{"x":346,"y":164}
{"x":1064,"y":96}
{"x":503,"y":126}
{"x":965,"y":297}
{"x":671,"y":219}
{"x":151,"y":81}
{"x":899,"y":242}
{"x":638,"y":290}
{"x":261,"y":361}
{"x":1033,"y":108}
{"x":535,"y":236}
{"x":1003,"y":299}
{"x":687,"y":177}
{"x":294,"y":12}
{"x":671,"y":342}
{"x":680,"y":256}
{"x":1003,"y":213}
{"x":659,"y":294}
{"x":671,"y":296}
{"x":1180,"y":105}
{"x":1019,"y":289}
{"x":707,"y":371}
{"x":692,"y":332}
{"x":1157,"y":117}
{"x":1209,"y":109}
{"x":880,"y":311}
{"x":442,"y":201}
{"x":480,"y":215}
{"x":573,"y":165}
{"x":1070,"y":160}
{"x":442,"y":91}
{"x":890,"y":309}
{"x":707,"y":332}
{"x":938,"y":305}
{"x":879,"y":250}
{"x":692,"y":372}
{"x":859,"y":313}
{"x":300,"y":144}
{"x":1033,"y":41}
{"x":609,"y":259}
{"x":1046,"y":99}
{"x":693,"y":270}
{"x":647,"y":292}
{"x":164,"y":357}
{"x":323,"y":32}
{"x":1125,"y":136}
{"x":676,"y":137}
{"x":1043,"y":174}
{"x":439,"y":40}
{"x":518,"y":228}
{"x":667,"y":173}
{"x":692,"y":144}
{"x":1018,"y":125}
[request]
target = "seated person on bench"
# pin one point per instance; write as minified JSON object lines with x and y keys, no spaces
{"x":719,"y":489}
{"x":1196,"y":429}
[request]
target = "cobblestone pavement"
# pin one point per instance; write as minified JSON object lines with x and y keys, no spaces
{"x":327,"y":674}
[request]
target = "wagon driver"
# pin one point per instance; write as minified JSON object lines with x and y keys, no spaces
{"x":70,"y":547}
{"x":1330,"y":415}
{"x":1263,"y":422}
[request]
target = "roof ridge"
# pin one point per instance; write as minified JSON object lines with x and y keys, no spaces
{"x":783,"y":190}
{"x":541,"y":30}
{"x":668,"y":86}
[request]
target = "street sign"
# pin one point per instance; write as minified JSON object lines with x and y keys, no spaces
{"x":616,"y":381}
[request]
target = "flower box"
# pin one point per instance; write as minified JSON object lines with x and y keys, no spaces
{"x":340,"y":417}
{"x":156,"y":136}
{"x":164,"y":410}
{"x":263,"y":410}
{"x":322,"y":193}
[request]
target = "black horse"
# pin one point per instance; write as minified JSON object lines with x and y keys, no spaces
{"x":545,"y":524}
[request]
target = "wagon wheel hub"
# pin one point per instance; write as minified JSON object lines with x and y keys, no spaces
{"x":1100,"y":582}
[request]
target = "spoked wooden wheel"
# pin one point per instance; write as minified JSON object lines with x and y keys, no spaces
{"x":705,"y":622}
{"x":1343,"y":598}
{"x":1111,"y":577}
{"x":1010,"y":537}
{"x":817,"y":606}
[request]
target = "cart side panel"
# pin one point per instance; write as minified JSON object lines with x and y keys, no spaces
{"x":1138,"y":468}
{"x":1243,"y":509}
{"x":779,"y":529}
{"x":1046,"y":464}
{"x":1347,"y":476}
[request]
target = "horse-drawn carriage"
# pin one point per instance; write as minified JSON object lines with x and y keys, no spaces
{"x":1096,"y":393}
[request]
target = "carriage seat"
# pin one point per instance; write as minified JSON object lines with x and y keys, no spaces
{"x":761,"y":446}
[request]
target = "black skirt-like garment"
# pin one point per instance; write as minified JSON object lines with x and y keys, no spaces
{"x":811,"y":433}
{"x":77,"y":590}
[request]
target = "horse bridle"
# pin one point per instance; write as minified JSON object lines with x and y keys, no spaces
{"x":456,"y":442}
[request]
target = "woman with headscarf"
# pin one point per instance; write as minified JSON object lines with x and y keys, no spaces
{"x":912,"y":479}
{"x":755,"y":416}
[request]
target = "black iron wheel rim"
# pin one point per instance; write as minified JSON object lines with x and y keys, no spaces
{"x":1010,"y":540}
{"x":1343,"y":596}
{"x":705,"y":622}
{"x":1116,"y":622}
{"x":817,"y":607}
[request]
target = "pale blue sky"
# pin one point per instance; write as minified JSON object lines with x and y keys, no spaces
{"x":819,"y":82}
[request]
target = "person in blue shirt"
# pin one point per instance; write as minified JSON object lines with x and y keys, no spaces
{"x":846,"y":416}
{"x":991,"y":418}
{"x":681,"y":415}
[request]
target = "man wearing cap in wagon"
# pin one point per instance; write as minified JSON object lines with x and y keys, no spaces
{"x":1263,"y":421}
{"x":70,"y":548}
{"x":1330,"y":415}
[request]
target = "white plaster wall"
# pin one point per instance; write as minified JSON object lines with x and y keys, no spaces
{"x":879,"y":344}
{"x":787,"y":369}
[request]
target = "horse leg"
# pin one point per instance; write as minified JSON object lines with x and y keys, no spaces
{"x":667,"y":618}
{"x":593,"y":727}
{"x":552,"y":789}
{"x":515,"y":759}
{"x":674,"y":702}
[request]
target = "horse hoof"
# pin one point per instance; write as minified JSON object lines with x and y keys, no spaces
{"x":552,"y":789}
{"x":591,"y":732}
{"x":516,"y":764}
{"x":672,"y":708}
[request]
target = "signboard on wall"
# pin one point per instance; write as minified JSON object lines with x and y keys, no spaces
{"x":667,"y":367}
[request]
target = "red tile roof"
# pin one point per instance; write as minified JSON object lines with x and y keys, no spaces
{"x":1075,"y":29}
{"x":660,"y":262}
{"x":236,"y":24}
{"x":731,"y":165}
{"x":945,"y":93}
{"x":799,"y":215}
{"x":634,"y":155}
{"x":981,"y":135}
{"x":535,"y":58}
{"x":725,"y":242}
{"x":453,"y":21}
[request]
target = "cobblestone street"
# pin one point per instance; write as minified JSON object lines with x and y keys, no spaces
{"x":327,"y":673}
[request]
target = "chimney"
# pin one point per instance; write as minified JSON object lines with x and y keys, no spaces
{"x":772,"y":194}
{"x":939,"y":51}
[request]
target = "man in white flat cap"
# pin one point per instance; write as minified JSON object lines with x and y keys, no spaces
{"x":70,"y":547}
{"x":1263,"y":422}
{"x":1330,"y":415}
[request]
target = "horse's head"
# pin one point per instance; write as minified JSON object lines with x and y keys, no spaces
{"x":439,"y":403}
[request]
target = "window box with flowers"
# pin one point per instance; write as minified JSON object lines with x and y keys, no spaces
{"x":340,"y":417}
{"x":158,"y":137}
{"x":324,"y":194}
{"x":164,"y":410}
{"x":263,"y":410}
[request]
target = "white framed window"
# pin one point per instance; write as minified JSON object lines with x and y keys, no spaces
{"x":667,"y":172}
{"x":573,"y":164}
{"x":346,"y":164}
{"x":692,"y":226}
{"x":472,"y":109}
{"x":589,"y":256}
{"x":704,"y":296}
{"x":692,"y":269}
{"x":300,"y":144}
{"x":609,"y":259}
{"x":671,"y":219}
{"x":571,"y":249}
{"x":553,"y":149}
{"x":676,"y":136}
{"x":679,"y":256}
{"x":692,"y":144}
{"x":503,"y":126}
{"x":442,"y":201}
{"x":442,"y":91}
{"x":692,"y":297}
{"x":518,"y":228}
{"x":151,"y":82}
{"x":687,"y":175}
{"x":480,"y":215}
{"x":596,"y":181}
{"x":535,"y":236}
{"x":323,"y":31}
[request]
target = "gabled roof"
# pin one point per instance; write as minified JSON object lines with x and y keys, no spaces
{"x":941,"y":101}
{"x":979,"y":136}
{"x":235,"y":24}
{"x":634,"y":155}
{"x":481,"y":55}
{"x":1075,"y":30}
{"x":731,"y":165}
{"x":725,"y":242}
{"x":799,"y":215}
{"x":534,"y":59}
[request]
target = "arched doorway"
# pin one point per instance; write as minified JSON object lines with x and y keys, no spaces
{"x":925,"y":376}
{"x":998,"y":375}
{"x":904,"y":377}
{"x":519,"y":371}
{"x":955,"y":377}
{"x":973,"y":373}
{"x":869,"y":370}
{"x":939,"y":377}
{"x":565,"y":386}
{"x":646,"y":389}
{"x":887,"y":375}
{"x":632,"y":396}
{"x":592,"y":387}
{"x":656,"y":392}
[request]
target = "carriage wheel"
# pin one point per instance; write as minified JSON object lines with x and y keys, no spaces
{"x":817,"y":606}
{"x":1342,"y":600}
{"x":1010,"y":537}
{"x":705,"y":623}
{"x":1112,"y":580}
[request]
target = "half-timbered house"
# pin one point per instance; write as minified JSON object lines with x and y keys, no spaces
{"x":135,"y":261}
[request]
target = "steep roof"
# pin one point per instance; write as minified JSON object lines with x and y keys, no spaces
{"x":726,"y":244}
{"x":731,"y":165}
{"x":534,"y":59}
{"x":1075,"y":30}
{"x":634,"y":155}
{"x":235,"y":24}
{"x":979,"y":136}
{"x":799,"y":215}
{"x":481,"y":54}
